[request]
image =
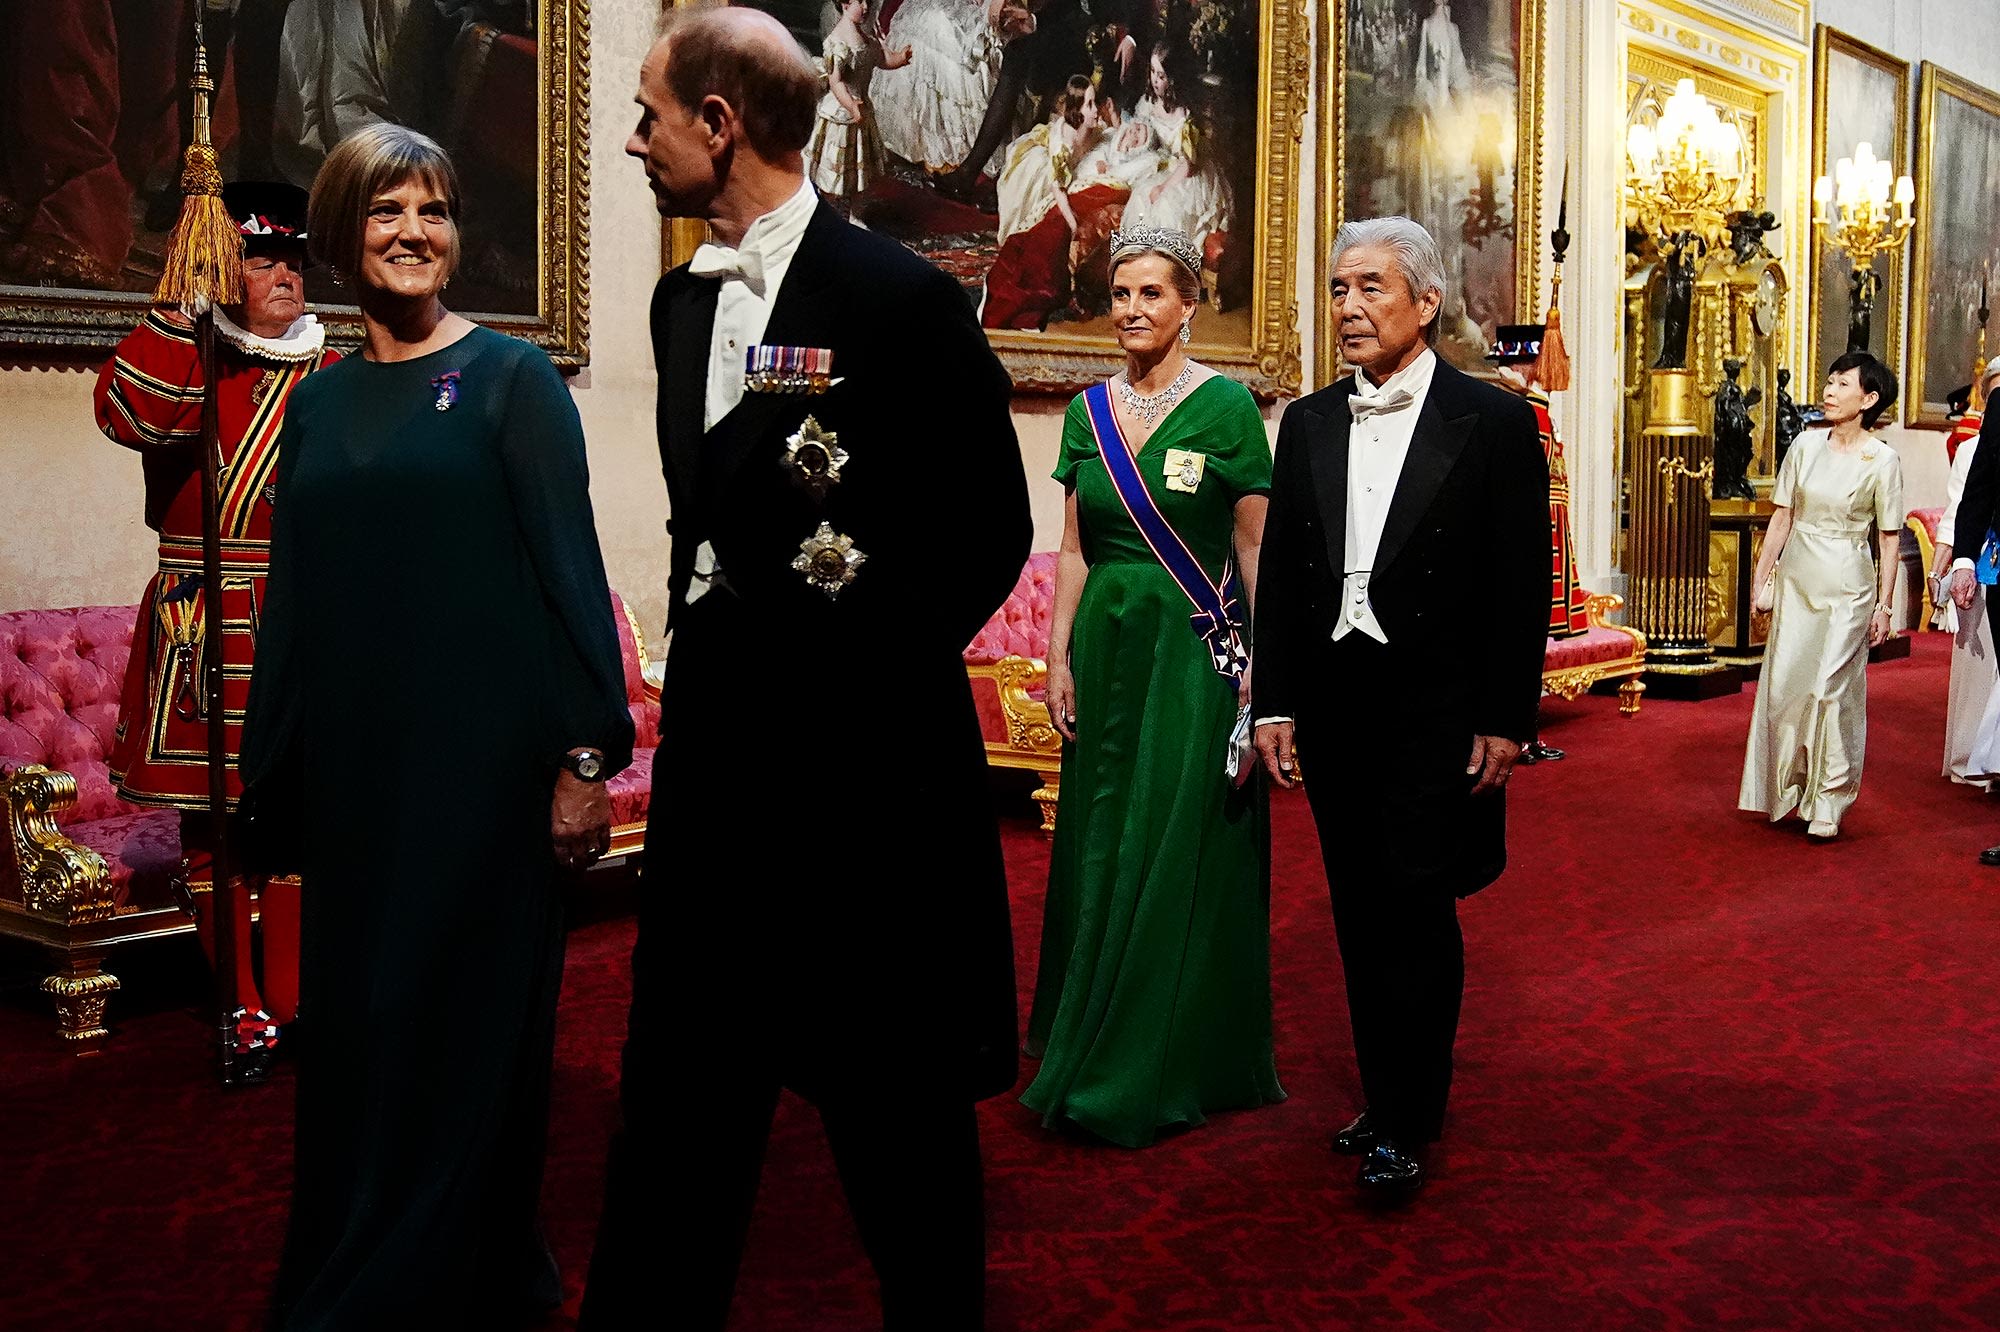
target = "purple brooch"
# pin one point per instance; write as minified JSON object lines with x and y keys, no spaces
{"x":447,"y":386}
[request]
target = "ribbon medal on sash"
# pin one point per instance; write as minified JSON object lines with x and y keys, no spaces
{"x":773,"y":369}
{"x":1218,"y":616}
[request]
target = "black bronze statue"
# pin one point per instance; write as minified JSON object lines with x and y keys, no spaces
{"x":1790,"y":419}
{"x":1734,"y":442}
{"x":1747,"y":230}
{"x":1677,"y":261}
{"x":1862,"y":286}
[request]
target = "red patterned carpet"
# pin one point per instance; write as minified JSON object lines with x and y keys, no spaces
{"x":1711,"y":1077}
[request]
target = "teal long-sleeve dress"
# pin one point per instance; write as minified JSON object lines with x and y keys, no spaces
{"x":1153,"y":993}
{"x":436,"y":634}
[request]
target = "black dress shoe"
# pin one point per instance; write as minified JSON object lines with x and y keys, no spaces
{"x":1990,"y":856}
{"x":1390,"y":1172}
{"x":1537,"y":752}
{"x":1356,"y":1138}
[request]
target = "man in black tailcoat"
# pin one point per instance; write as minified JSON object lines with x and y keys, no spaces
{"x":1402,"y":607}
{"x":824,"y":904}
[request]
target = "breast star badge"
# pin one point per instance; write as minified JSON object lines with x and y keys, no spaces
{"x":828,"y":560}
{"x":815,"y":457}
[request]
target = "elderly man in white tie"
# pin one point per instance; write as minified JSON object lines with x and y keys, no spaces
{"x":848,"y":509}
{"x":1400,"y":620}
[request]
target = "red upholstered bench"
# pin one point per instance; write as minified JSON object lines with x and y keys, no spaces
{"x":1605,"y":651}
{"x":83,"y":870}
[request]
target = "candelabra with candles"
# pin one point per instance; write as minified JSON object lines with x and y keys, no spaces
{"x":1685,"y":175}
{"x":1852,"y":209}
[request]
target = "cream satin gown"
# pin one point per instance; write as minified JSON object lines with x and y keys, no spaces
{"x":1810,"y":724}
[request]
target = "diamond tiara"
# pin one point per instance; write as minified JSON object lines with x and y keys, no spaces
{"x":1164,"y":240}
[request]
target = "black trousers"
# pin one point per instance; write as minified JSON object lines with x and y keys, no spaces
{"x":1404,"y":959}
{"x":1388,"y":793}
{"x":697,"y":1111}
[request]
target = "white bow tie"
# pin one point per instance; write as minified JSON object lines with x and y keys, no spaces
{"x":721,"y":262}
{"x":1364,"y":405}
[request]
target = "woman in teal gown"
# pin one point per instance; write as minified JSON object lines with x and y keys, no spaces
{"x":1153,"y":997}
{"x":441,"y":659}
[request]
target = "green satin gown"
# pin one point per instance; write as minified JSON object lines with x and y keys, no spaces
{"x":1153,"y":995}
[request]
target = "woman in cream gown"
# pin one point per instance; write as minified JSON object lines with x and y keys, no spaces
{"x":1839,"y":488}
{"x":1974,"y":682}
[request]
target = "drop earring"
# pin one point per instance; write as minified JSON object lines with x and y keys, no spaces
{"x":1187,"y":335}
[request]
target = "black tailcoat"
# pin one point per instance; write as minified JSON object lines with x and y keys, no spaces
{"x":1460,"y":588}
{"x":824,"y":892}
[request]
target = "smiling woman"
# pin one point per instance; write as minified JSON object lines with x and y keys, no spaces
{"x":433,"y":493}
{"x":1153,"y":1002}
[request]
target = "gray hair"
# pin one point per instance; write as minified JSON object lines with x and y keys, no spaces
{"x":1417,"y":257}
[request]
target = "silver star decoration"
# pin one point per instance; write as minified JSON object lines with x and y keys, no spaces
{"x":815,"y":457}
{"x":829,"y":560}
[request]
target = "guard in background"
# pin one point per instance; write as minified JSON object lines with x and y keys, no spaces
{"x":1517,"y":351}
{"x":149,"y":398}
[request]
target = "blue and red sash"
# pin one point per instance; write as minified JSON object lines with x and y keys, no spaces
{"x":1218,"y":617}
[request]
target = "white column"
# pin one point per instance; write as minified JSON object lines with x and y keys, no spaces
{"x":1587,"y":120}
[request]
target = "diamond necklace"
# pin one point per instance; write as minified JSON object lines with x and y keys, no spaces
{"x":1149,"y":409}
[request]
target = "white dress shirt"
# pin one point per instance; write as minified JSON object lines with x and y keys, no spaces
{"x":1384,"y":420}
{"x":751,"y":275}
{"x":1378,"y":442}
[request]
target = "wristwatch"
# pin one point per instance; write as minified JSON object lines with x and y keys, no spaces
{"x":586,"y":765}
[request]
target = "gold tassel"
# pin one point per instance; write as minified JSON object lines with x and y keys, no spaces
{"x":204,"y":264}
{"x":1552,"y":366}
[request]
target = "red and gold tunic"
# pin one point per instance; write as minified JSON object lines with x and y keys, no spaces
{"x":1567,"y":597}
{"x":1963,"y":430}
{"x":149,"y":398}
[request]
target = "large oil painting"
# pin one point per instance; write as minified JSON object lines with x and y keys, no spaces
{"x":1860,"y":95}
{"x":94,"y":115}
{"x":1958,"y":237}
{"x":1438,"y":103}
{"x":1004,"y":140}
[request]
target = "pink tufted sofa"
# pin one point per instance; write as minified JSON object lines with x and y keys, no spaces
{"x":84,"y":871}
{"x":1008,"y":670}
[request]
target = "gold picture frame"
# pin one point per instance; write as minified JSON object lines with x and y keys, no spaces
{"x":1858,"y":110}
{"x":1267,"y":360}
{"x":1957,"y":246}
{"x":1332,"y":79}
{"x":75,"y":322}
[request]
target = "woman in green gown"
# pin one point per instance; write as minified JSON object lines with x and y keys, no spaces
{"x":442,"y":695}
{"x":1153,"y":996}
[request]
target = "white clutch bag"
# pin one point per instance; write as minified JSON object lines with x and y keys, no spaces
{"x":1767,"y":595}
{"x":1239,"y":757}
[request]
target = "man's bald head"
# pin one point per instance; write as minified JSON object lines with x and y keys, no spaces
{"x":749,"y":60}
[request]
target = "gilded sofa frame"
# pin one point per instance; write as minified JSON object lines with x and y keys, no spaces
{"x":1573,"y":681}
{"x":1032,"y":744}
